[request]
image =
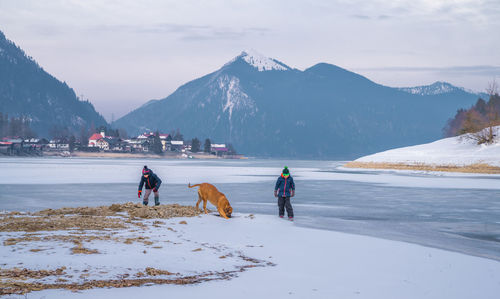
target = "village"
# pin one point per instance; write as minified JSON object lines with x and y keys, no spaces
{"x":148,"y":143}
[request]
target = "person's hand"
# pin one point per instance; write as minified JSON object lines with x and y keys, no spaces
{"x":275,"y":193}
{"x":292,"y":194}
{"x":139,"y":193}
{"x":155,"y":189}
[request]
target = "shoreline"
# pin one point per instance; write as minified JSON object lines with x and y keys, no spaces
{"x":472,"y":168}
{"x":172,"y":156}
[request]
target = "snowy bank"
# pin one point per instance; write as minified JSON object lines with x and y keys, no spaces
{"x":247,"y":256}
{"x":459,"y":154}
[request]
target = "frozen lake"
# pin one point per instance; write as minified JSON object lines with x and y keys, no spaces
{"x":456,"y":212}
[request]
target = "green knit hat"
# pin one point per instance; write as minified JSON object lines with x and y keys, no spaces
{"x":286,"y":171}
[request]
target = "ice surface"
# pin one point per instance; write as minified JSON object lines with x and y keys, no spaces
{"x":458,"y":212}
{"x":105,"y":171}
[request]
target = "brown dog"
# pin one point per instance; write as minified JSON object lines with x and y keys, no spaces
{"x":208,"y":192}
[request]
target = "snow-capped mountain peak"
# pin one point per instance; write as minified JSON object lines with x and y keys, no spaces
{"x":433,"y":89}
{"x":260,"y":62}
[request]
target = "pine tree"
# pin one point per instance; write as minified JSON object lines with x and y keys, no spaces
{"x":71,"y":143}
{"x":178,"y":136}
{"x":195,"y":145}
{"x":157,"y":145}
{"x":207,"y":147}
{"x":230,"y":149}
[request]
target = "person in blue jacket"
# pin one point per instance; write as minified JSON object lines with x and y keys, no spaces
{"x":152,"y":183}
{"x":284,"y":190}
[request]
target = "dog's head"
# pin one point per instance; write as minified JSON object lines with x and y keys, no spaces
{"x":226,"y":207}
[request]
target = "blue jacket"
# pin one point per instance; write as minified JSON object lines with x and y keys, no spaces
{"x":284,"y":186}
{"x":153,"y":181}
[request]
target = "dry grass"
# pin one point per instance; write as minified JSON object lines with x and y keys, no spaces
{"x":473,"y":168}
{"x":81,"y":226}
{"x":53,"y":223}
{"x":134,"y":210}
{"x":11,"y":284}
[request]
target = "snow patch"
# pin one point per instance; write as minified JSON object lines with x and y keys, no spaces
{"x":260,"y":62}
{"x":311,"y":263}
{"x":433,"y":89}
{"x":235,"y":98}
{"x":459,"y":151}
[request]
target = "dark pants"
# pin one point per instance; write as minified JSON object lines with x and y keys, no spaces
{"x":146,"y":197}
{"x":284,"y":202}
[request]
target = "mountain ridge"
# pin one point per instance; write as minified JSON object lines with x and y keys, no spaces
{"x":27,"y":90}
{"x":324,"y":111}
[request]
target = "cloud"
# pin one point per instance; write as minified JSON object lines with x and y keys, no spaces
{"x":184,"y":31}
{"x":362,"y":17}
{"x":384,"y":17}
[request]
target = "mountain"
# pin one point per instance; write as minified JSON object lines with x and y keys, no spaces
{"x":27,"y":90}
{"x":266,"y":108}
{"x":438,"y":88}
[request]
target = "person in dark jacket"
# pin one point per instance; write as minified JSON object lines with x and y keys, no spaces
{"x":152,"y":183}
{"x":284,"y":190}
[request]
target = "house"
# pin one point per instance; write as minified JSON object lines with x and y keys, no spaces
{"x":217,"y":145}
{"x":176,"y":145}
{"x":59,"y":144}
{"x":34,"y":145}
{"x":220,"y":151}
{"x":137,"y":144}
{"x":166,"y":142}
{"x":94,"y":138}
{"x":6,"y":148}
{"x":109,"y":144}
{"x":145,"y":136}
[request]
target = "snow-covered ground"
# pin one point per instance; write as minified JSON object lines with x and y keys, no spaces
{"x":459,"y":151}
{"x":308,"y":263}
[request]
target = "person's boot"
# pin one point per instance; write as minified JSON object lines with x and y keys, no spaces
{"x":145,"y":202}
{"x":157,"y":201}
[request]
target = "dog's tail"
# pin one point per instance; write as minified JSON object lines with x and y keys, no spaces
{"x":192,"y":186}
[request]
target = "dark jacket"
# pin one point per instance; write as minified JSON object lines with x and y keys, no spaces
{"x":284,"y":186}
{"x":153,"y":181}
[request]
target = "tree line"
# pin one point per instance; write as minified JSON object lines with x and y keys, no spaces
{"x":477,"y":121}
{"x":15,"y":127}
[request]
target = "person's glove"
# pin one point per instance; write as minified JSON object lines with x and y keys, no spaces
{"x":155,"y":189}
{"x":275,"y":193}
{"x":139,"y":193}
{"x":292,"y":194}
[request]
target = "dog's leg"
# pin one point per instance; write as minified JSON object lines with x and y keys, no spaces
{"x":205,"y":206}
{"x":222,"y":213}
{"x":198,"y":202}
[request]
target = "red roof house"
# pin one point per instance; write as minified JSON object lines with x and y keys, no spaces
{"x":94,"y":138}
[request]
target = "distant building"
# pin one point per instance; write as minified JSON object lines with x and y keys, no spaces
{"x":166,"y":142}
{"x":177,"y":145}
{"x":218,"y":149}
{"x":94,"y":138}
{"x":59,"y":144}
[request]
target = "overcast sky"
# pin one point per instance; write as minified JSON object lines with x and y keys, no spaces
{"x":120,"y":54}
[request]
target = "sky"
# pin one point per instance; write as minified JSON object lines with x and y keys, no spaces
{"x":121,"y":54}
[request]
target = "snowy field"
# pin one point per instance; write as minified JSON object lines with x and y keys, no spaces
{"x":456,"y":212}
{"x":290,"y":262}
{"x":460,"y":151}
